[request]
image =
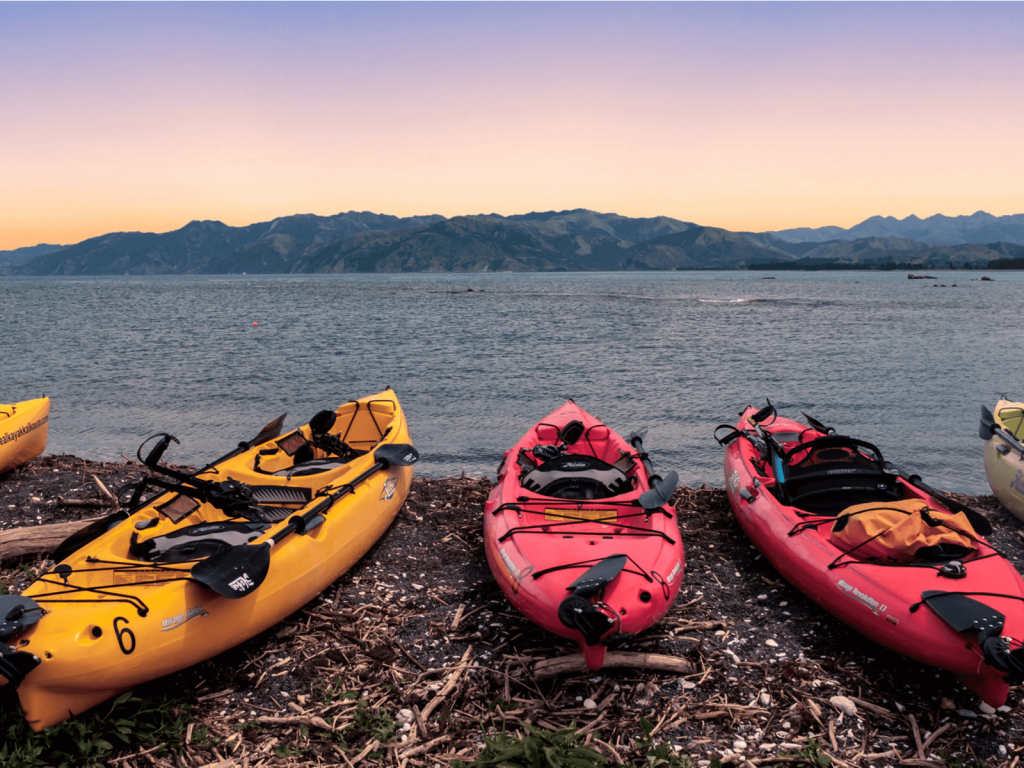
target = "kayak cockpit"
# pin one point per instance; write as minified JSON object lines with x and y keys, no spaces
{"x":829,"y":473}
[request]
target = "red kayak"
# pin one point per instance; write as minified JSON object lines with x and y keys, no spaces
{"x":877,"y":548}
{"x":579,"y":532}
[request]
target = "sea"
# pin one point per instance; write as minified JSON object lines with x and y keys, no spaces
{"x":476,"y":359}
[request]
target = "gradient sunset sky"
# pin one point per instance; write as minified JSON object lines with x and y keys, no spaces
{"x":145,"y":116}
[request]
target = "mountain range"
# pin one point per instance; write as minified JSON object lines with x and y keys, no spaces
{"x":574,"y":240}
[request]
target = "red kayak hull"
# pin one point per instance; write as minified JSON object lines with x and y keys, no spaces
{"x":537,"y":545}
{"x":879,"y":601}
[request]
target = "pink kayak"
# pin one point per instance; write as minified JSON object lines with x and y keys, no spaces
{"x":958,"y":608}
{"x":579,"y":532}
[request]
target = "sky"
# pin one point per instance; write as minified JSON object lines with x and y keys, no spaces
{"x":752,"y":117}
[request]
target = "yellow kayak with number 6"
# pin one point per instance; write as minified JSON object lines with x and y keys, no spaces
{"x":199,"y":562}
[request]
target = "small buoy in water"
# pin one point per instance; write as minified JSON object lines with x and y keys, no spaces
{"x":255,"y":323}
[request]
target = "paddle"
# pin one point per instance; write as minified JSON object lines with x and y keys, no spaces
{"x":989,"y":428}
{"x":815,"y":424}
{"x":661,"y":488}
{"x":240,"y":570}
{"x":272,"y":430}
{"x":978,"y":521}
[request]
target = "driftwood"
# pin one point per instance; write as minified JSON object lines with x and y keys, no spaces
{"x":548,"y":668}
{"x":32,"y":539}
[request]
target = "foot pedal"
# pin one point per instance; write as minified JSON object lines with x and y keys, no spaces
{"x":275,"y":514}
{"x":281,"y":494}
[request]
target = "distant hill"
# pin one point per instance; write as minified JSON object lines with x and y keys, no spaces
{"x":901,"y":251}
{"x":980,"y":227}
{"x":574,"y":240}
{"x":21,"y":255}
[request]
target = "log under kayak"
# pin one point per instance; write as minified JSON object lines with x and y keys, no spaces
{"x":579,"y":533}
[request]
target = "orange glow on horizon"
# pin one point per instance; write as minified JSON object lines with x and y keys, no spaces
{"x":745,"y":117}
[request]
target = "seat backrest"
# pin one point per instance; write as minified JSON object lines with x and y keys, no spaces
{"x":576,"y":476}
{"x":831,"y":473}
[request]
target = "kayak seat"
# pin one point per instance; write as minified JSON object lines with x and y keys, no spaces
{"x":827,"y":475}
{"x":195,"y":542}
{"x":576,"y":476}
{"x":311,"y":467}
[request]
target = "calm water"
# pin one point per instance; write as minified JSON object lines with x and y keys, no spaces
{"x":891,"y":360}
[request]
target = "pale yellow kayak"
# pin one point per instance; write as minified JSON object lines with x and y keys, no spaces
{"x":23,"y":429}
{"x":194,"y":571}
{"x":1004,"y":454}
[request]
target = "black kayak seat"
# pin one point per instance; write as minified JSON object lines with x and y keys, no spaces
{"x":829,"y":474}
{"x":576,"y":476}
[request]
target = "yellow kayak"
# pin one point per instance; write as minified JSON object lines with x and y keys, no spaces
{"x":23,"y":429}
{"x":207,"y":561}
{"x":1004,"y":453}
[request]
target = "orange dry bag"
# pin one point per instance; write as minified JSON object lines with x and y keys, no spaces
{"x":905,"y":531}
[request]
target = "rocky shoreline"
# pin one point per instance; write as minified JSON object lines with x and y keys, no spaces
{"x":413,"y":655}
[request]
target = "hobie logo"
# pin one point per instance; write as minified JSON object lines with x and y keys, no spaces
{"x":389,"y":488}
{"x":242,"y":583}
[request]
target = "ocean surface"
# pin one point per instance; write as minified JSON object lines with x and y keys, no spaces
{"x":476,"y":359}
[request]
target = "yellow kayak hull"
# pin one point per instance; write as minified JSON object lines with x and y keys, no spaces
{"x":23,"y":429}
{"x":150,"y":621}
{"x":1004,"y":467}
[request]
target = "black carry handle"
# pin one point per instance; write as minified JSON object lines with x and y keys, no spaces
{"x":764,"y":413}
{"x":238,"y":571}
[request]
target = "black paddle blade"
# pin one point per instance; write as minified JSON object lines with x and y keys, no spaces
{"x":272,"y":430}
{"x":234,"y":572}
{"x":815,"y":424}
{"x":89,"y":533}
{"x":988,"y":423}
{"x":598,"y":575}
{"x":964,"y":614}
{"x":661,"y":493}
{"x":396,"y":455}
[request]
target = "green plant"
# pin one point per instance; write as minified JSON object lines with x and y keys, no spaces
{"x":4,"y":590}
{"x":812,"y":754}
{"x":659,"y":756}
{"x":367,"y":725}
{"x":128,"y":722}
{"x":539,"y":748}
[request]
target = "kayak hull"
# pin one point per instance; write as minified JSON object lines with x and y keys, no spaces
{"x":881,"y":602}
{"x":537,"y":545}
{"x":23,"y":431}
{"x":148,"y":620}
{"x":1004,"y":467}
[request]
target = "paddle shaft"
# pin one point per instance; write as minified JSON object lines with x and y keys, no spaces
{"x":638,"y":443}
{"x":1007,"y":438}
{"x":299,"y":522}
